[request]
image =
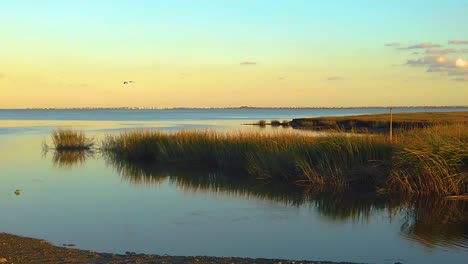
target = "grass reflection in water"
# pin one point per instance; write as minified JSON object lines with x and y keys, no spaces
{"x":71,"y":158}
{"x":431,"y":222}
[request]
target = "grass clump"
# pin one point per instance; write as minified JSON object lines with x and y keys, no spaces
{"x":261,"y":123}
{"x":434,"y":159}
{"x":275,"y":123}
{"x":70,"y":140}
{"x":338,"y":162}
{"x":430,"y":161}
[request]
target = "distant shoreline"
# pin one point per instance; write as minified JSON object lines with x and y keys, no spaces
{"x":380,"y":123}
{"x":239,"y":108}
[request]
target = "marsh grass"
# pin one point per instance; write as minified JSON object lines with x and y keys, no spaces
{"x":261,"y":123}
{"x":429,"y":161}
{"x":337,"y":161}
{"x":71,"y":140}
{"x":434,"y":159}
{"x":380,"y":123}
{"x":275,"y":123}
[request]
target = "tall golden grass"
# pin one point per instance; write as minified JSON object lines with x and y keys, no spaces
{"x":68,"y":140}
{"x":431,"y":161}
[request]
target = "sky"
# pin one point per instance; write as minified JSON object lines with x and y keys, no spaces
{"x":212,"y":53}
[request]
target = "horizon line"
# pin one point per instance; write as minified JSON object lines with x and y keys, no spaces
{"x":229,"y":107}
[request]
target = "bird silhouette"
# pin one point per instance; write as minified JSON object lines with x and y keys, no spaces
{"x":128,"y":82}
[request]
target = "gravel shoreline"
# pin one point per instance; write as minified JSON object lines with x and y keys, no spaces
{"x":23,"y":250}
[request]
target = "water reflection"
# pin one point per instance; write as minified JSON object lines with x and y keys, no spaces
{"x":437,"y":223}
{"x":71,"y":158}
{"x":430,"y":222}
{"x":201,"y":180}
{"x":360,"y":208}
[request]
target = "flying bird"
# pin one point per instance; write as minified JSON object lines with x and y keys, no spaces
{"x":128,"y":82}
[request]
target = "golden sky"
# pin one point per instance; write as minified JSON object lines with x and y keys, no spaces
{"x":211,"y":54}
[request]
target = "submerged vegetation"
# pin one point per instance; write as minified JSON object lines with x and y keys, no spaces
{"x":432,"y":161}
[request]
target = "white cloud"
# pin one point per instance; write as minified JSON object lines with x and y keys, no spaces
{"x":249,"y":63}
{"x":461,"y":63}
{"x":441,"y":64}
{"x":437,"y":59}
{"x":458,"y":42}
{"x":394,"y":44}
{"x":428,"y":61}
{"x":335,"y":78}
{"x":440,"y":51}
{"x":424,"y":45}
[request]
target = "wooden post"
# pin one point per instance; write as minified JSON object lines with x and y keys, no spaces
{"x":391,"y":124}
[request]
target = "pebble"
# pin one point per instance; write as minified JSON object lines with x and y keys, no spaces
{"x":69,"y":245}
{"x":3,"y":260}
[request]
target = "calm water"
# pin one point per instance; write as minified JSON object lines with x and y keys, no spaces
{"x":99,"y":205}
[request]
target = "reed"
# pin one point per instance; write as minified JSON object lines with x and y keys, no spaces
{"x":69,"y":140}
{"x":434,"y":159}
{"x":424,"y":161}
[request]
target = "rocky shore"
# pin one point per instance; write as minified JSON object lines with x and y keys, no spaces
{"x":23,"y":250}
